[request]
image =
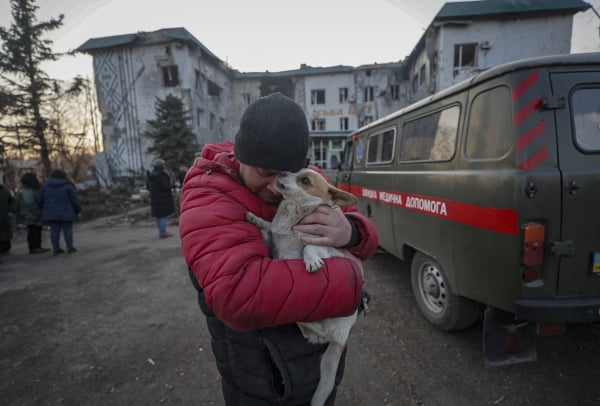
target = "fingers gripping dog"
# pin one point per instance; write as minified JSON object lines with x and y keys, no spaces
{"x":302,"y":193}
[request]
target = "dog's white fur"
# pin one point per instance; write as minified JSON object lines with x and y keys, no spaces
{"x":303,"y":192}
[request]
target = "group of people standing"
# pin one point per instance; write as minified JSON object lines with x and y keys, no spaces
{"x":54,"y":203}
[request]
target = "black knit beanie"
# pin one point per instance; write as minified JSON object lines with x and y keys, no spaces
{"x":273,"y":134}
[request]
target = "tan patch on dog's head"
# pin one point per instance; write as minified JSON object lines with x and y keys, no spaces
{"x":314,"y":184}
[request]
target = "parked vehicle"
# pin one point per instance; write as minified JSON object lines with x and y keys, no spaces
{"x":492,"y":188}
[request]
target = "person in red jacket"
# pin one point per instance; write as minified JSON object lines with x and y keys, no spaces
{"x":252,"y":302}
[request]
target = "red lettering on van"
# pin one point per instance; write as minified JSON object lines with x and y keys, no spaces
{"x":490,"y":218}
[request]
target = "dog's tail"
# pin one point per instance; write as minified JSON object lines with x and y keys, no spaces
{"x":329,"y":365}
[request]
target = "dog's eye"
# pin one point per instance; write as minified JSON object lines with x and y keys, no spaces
{"x":305,"y":180}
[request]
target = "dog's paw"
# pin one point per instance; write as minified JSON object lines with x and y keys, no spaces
{"x":313,"y":257}
{"x":312,"y":264}
{"x":315,"y":339}
{"x":252,"y":218}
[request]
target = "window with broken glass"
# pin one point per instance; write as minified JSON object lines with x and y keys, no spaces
{"x":369,"y":92}
{"x":343,"y":95}
{"x":317,"y":96}
{"x":465,"y":55}
{"x":170,"y":75}
{"x":395,"y":92}
{"x":318,"y":124}
{"x":343,"y":123}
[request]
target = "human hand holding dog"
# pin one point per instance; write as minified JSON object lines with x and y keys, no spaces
{"x":327,"y":226}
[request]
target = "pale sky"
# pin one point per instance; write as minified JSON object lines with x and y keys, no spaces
{"x":260,"y":35}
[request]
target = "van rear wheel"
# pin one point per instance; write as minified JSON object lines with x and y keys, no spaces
{"x":440,"y":306}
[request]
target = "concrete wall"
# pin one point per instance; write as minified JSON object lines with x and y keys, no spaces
{"x":332,"y":110}
{"x":508,"y":40}
{"x":499,"y":41}
{"x":129,"y":81}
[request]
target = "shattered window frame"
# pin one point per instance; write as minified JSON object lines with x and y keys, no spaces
{"x":170,"y":75}
{"x":465,"y":55}
{"x":317,"y":96}
{"x":369,"y":93}
{"x":343,"y":123}
{"x":343,"y":95}
{"x":318,"y":124}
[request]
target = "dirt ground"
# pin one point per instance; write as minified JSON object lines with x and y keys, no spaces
{"x":117,"y":323}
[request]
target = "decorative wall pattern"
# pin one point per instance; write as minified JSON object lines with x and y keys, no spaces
{"x":116,"y":93}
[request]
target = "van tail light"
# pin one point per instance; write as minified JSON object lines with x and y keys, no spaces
{"x":551,"y":329}
{"x":530,"y":274}
{"x":533,"y":244}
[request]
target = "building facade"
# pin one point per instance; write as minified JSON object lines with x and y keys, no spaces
{"x":466,"y":38}
{"x":131,"y":71}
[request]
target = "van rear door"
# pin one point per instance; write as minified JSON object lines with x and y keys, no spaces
{"x":578,"y":133}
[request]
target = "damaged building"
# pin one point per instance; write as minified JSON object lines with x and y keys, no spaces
{"x":131,"y":71}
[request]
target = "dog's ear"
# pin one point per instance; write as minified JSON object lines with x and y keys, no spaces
{"x":341,"y":197}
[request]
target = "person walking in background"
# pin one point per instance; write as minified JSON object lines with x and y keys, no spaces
{"x":60,"y":208}
{"x":7,"y":203}
{"x":28,"y":212}
{"x":161,"y":196}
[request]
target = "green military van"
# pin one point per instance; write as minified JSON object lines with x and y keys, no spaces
{"x":491,"y":188}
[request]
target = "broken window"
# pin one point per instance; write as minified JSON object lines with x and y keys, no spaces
{"x":318,"y":124}
{"x":343,"y":123}
{"x":395,"y":92}
{"x":317,"y":96}
{"x":369,"y":92}
{"x":213,"y":89}
{"x":464,"y":55}
{"x":170,"y":75}
{"x":343,"y":94}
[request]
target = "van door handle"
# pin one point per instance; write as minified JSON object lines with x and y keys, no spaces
{"x":573,"y":187}
{"x":346,"y":177}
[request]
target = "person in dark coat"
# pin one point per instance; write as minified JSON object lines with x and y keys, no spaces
{"x":7,"y":204}
{"x":161,"y":196}
{"x":181,"y":172}
{"x":60,"y":208}
{"x":28,"y":212}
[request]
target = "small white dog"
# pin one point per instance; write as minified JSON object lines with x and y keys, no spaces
{"x":303,"y":192}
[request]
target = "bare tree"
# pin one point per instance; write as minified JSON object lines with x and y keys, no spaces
{"x":71,"y":130}
{"x":24,"y":87}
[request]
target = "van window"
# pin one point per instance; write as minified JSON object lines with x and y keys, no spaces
{"x":348,"y":155}
{"x":380,"y":147}
{"x":490,"y":131}
{"x":430,"y":138}
{"x":585,"y":104}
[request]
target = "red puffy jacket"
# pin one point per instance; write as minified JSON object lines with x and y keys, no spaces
{"x":245,"y":288}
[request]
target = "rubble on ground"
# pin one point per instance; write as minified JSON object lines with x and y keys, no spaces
{"x":122,"y":198}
